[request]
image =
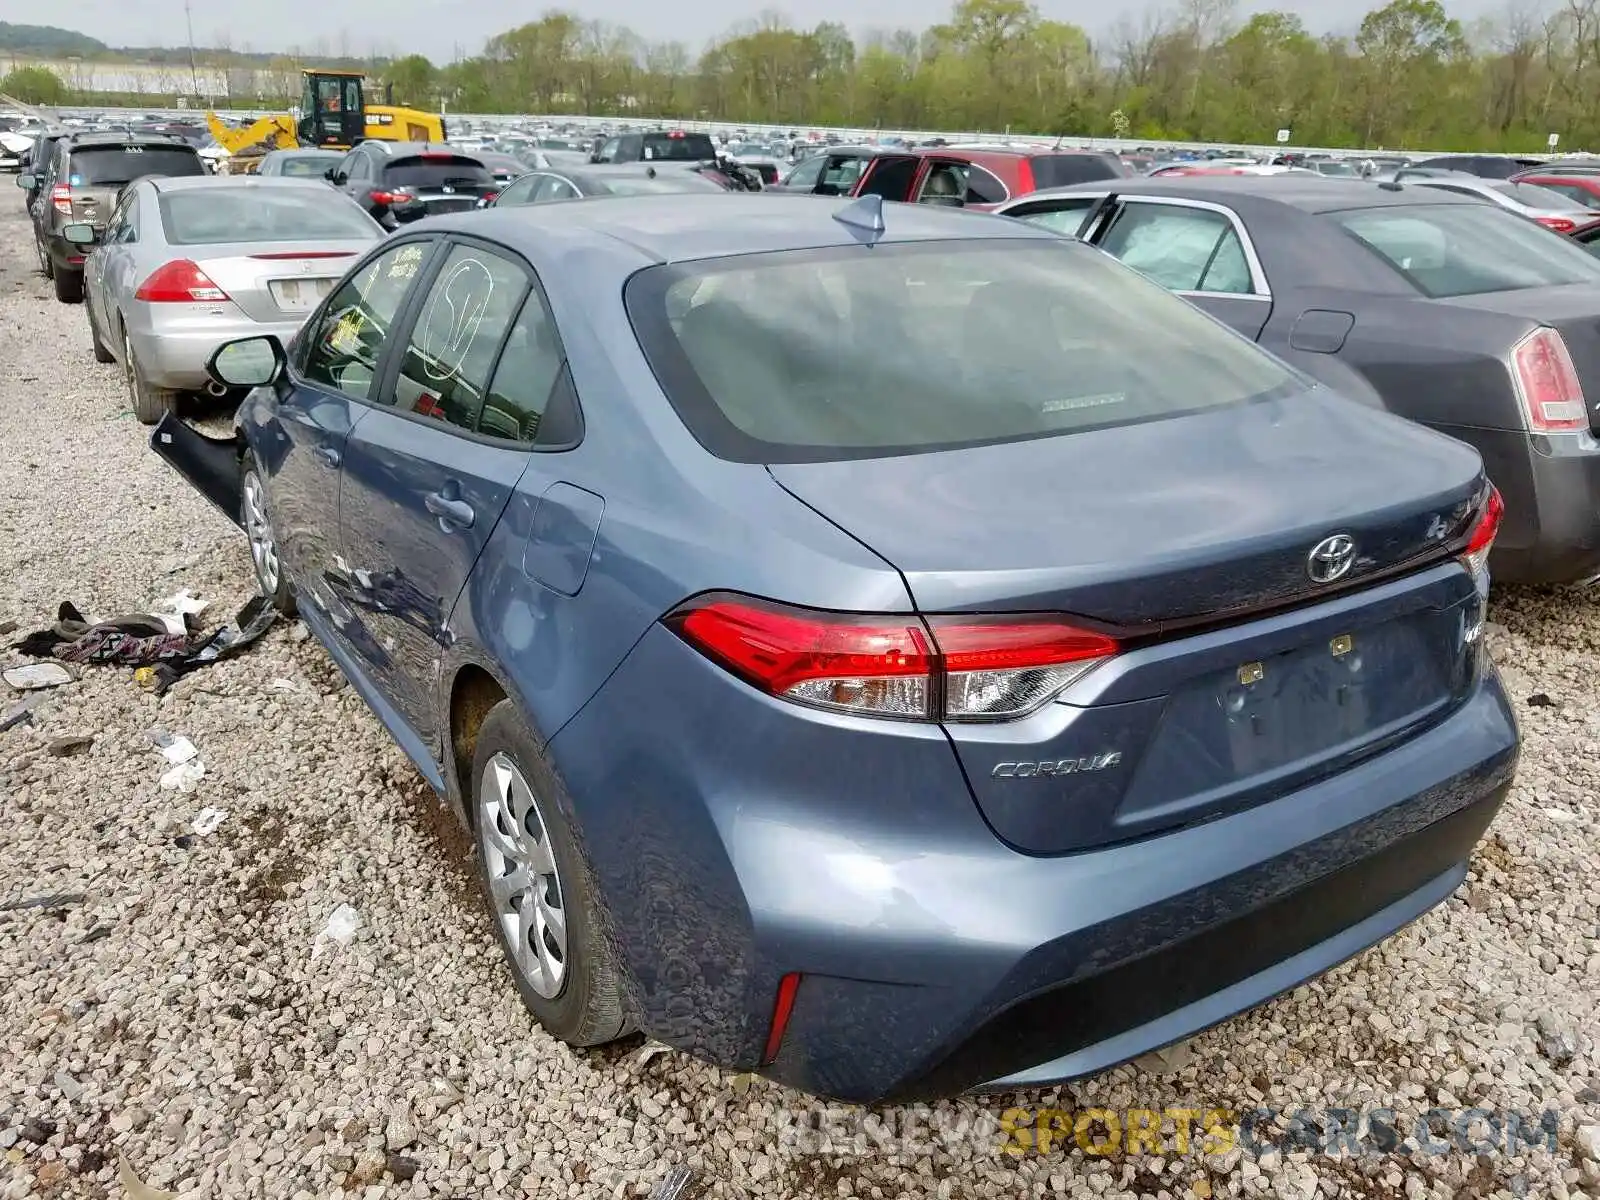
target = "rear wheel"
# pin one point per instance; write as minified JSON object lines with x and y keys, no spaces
{"x":538,"y":888}
{"x":270,"y":577}
{"x":149,"y":403}
{"x":69,"y":287}
{"x":101,"y":354}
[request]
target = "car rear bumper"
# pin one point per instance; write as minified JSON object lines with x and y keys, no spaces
{"x":933,"y":958}
{"x":1551,"y":486}
{"x":175,"y":341}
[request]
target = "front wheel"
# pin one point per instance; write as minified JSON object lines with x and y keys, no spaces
{"x":538,"y":888}
{"x":46,"y":267}
{"x":101,"y":354}
{"x":270,"y":577}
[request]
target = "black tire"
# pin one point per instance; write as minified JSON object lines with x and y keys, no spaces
{"x":587,"y":1010}
{"x":69,"y":287}
{"x":46,"y":267}
{"x":149,"y":403}
{"x":273,"y":583}
{"x":101,"y":354}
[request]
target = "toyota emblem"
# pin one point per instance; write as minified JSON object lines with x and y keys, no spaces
{"x":1331,"y":558}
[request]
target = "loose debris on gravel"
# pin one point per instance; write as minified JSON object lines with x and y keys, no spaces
{"x":165,"y":1025}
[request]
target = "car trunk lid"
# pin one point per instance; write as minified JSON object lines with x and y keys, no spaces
{"x":1573,"y":310}
{"x":438,"y":182}
{"x":274,"y":282}
{"x":1158,"y":523}
{"x":1238,"y":675}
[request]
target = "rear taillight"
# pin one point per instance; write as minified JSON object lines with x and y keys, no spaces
{"x":953,"y":668}
{"x":61,"y":198}
{"x":380,"y":196}
{"x":1559,"y":224}
{"x":489,"y":197}
{"x":179,"y":282}
{"x":1480,"y":539}
{"x":1547,"y":383}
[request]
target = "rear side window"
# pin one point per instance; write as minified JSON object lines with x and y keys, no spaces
{"x":1061,"y":170}
{"x":831,"y":354}
{"x":441,"y":170}
{"x":644,"y":185}
{"x":94,"y":166}
{"x":292,"y":213}
{"x":305,"y":166}
{"x":1184,"y":249}
{"x":457,"y":336}
{"x":1468,"y":249}
{"x":678,"y":147}
{"x":529,"y":367}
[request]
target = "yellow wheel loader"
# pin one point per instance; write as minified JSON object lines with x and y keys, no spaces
{"x":334,"y":115}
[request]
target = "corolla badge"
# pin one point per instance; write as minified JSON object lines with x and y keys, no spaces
{"x":1060,"y":766}
{"x":1331,"y":558}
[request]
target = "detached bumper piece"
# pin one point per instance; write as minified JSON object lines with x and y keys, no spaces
{"x":211,"y":465}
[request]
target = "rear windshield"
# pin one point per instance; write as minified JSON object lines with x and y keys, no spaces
{"x":213,"y":215}
{"x":307,"y":166}
{"x":679,"y":147}
{"x":116,"y":165}
{"x":901,"y":348}
{"x":644,"y":185}
{"x":1469,"y":249}
{"x":1061,"y":170}
{"x":440,"y":171}
{"x":1534,"y":196}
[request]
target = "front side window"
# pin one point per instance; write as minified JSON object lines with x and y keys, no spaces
{"x":341,"y":353}
{"x":900,"y":348}
{"x":1468,"y":249}
{"x":457,"y":336}
{"x":519,"y":192}
{"x":553,"y":187}
{"x":1184,"y":249}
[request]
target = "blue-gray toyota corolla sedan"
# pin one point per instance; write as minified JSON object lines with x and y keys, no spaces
{"x":894,"y":650}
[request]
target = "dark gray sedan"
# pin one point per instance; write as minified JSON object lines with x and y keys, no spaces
{"x":630,"y":179}
{"x":1449,"y":311}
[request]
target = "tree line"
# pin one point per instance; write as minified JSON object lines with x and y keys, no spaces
{"x":1409,"y":75}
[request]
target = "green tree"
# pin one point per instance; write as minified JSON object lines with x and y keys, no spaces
{"x":34,"y":85}
{"x":414,"y":79}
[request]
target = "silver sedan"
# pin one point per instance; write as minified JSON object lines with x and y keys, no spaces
{"x":187,"y":264}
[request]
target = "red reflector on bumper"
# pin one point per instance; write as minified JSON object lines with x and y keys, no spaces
{"x":782,"y":1008}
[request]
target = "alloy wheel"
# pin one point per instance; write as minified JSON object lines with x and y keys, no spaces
{"x":524,"y":882}
{"x":258,"y":530}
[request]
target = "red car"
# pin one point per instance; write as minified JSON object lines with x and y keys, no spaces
{"x":980,"y":177}
{"x":1585,"y":189}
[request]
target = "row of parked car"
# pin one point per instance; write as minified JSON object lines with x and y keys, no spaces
{"x":895,"y":649}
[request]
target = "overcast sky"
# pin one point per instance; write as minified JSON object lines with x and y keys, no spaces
{"x":443,"y":30}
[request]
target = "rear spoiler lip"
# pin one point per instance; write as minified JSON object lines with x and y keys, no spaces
{"x":210,"y":465}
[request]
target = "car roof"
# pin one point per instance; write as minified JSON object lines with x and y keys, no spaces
{"x":681,"y":227}
{"x":120,"y":137}
{"x":1311,"y":193}
{"x":411,"y":149}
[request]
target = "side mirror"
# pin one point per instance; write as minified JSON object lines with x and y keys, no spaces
{"x":79,"y":233}
{"x":594,"y":158}
{"x":247,"y":362}
{"x":331,"y":173}
{"x":27,"y":180}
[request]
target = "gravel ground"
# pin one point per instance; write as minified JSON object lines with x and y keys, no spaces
{"x":178,"y":1023}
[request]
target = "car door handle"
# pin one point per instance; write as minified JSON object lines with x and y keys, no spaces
{"x":327,"y":455}
{"x":452,"y":513}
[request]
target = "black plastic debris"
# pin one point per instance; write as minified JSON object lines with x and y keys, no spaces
{"x":1540,"y":700}
{"x":143,"y":640}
